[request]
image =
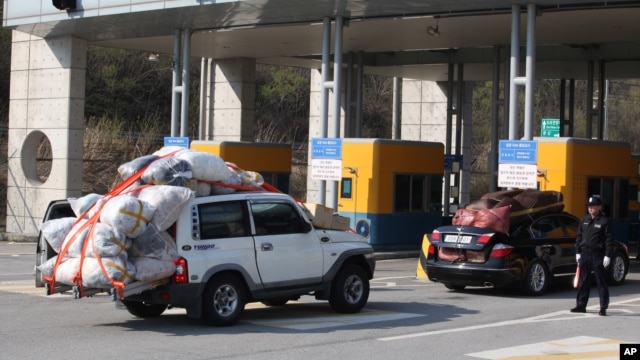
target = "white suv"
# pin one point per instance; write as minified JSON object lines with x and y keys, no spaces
{"x":253,"y":247}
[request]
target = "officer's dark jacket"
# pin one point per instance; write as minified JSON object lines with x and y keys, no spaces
{"x":594,"y":235}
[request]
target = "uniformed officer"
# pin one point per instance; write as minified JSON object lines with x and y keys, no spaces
{"x":594,"y":247}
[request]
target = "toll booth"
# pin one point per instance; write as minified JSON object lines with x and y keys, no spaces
{"x":392,"y":190}
{"x":582,"y":167}
{"x":272,"y":161}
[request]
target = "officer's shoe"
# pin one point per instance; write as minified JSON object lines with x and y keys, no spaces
{"x":603,"y":312}
{"x":578,"y":309}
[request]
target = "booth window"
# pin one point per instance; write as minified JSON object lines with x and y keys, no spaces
{"x":410,"y":193}
{"x":345,"y":186}
{"x":614,"y":193}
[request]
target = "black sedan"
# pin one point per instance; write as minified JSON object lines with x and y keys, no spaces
{"x":536,"y":253}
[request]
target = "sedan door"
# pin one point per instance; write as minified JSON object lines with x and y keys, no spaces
{"x":554,"y":245}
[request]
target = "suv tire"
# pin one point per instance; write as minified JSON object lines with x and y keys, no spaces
{"x":144,"y":310}
{"x":223,"y":300}
{"x":349,"y":290}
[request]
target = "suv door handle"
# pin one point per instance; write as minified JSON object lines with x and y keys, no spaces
{"x":266,"y":246}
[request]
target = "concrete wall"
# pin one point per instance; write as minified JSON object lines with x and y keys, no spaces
{"x":46,"y":106}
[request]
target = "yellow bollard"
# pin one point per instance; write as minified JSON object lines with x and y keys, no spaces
{"x":421,"y":273}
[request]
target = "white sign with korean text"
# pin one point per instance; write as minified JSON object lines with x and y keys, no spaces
{"x":326,"y":169}
{"x":520,"y":176}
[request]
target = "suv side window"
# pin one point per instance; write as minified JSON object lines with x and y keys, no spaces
{"x":272,"y":218}
{"x":222,"y":220}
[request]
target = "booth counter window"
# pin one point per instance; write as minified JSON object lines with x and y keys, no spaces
{"x":417,"y":192}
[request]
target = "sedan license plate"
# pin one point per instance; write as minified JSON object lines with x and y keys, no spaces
{"x":458,"y":239}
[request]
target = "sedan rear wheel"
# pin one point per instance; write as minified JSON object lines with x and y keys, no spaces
{"x":617,"y":271}
{"x":536,"y":278}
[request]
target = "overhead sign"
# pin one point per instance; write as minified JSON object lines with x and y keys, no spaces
{"x":326,"y":159}
{"x":550,"y":128}
{"x":520,"y":176}
{"x":182,"y":141}
{"x":518,"y":152}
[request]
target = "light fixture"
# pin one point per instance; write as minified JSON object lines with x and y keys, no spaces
{"x":433,"y":31}
{"x":154,"y":57}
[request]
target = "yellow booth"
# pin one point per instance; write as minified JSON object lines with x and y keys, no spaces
{"x":272,"y":161}
{"x":392,"y":190}
{"x":582,"y":167}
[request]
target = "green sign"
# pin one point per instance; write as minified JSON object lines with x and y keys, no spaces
{"x":550,"y":128}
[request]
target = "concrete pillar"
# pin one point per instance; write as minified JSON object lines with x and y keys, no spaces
{"x":315,"y":130}
{"x":424,"y":111}
{"x":424,"y":118}
{"x":234,"y":98}
{"x":465,"y":167}
{"x":315,"y":127}
{"x":46,"y":106}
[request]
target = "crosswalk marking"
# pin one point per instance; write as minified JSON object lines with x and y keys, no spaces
{"x":579,"y":347}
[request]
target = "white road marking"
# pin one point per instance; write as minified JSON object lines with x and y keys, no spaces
{"x":313,"y":321}
{"x":580,"y":347}
{"x":554,"y":316}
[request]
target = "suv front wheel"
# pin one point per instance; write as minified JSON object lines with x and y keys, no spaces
{"x":349,"y":290}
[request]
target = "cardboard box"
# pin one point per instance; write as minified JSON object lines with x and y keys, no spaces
{"x":340,"y":223}
{"x":321,"y":216}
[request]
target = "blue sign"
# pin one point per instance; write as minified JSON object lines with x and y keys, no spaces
{"x":518,"y":152}
{"x":176,"y":141}
{"x":326,"y":148}
{"x":449,"y":159}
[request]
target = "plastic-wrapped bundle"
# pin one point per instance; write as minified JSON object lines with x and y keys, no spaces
{"x":126,"y":170}
{"x":203,"y":188}
{"x":168,"y":171}
{"x":233,"y":179}
{"x":116,"y":269}
{"x":54,"y":231}
{"x":105,"y":240}
{"x":173,"y":150}
{"x":82,"y":204}
{"x":251,"y":178}
{"x":108,"y":242}
{"x":205,"y":166}
{"x":167,"y":201}
{"x":150,"y":269}
{"x":127,"y":214}
{"x":155,"y":244}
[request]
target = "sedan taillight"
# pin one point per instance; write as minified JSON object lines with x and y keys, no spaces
{"x":501,"y":250}
{"x":432,"y":250}
{"x":483,"y":239}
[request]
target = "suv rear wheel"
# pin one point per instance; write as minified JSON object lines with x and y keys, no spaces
{"x":349,"y":290}
{"x":144,"y":310}
{"x":224,"y":300}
